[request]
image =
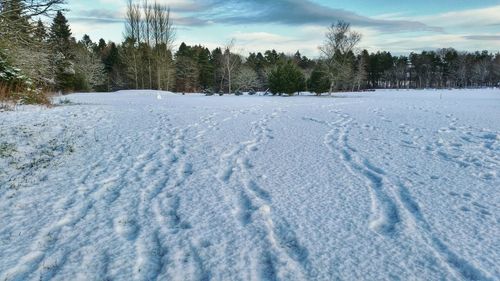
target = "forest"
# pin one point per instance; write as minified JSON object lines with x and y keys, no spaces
{"x":39,"y":54}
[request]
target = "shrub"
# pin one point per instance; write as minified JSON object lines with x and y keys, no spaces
{"x":15,"y":87}
{"x":18,"y":94}
{"x":10,"y":75}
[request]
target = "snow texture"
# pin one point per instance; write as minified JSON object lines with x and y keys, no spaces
{"x":391,"y":185}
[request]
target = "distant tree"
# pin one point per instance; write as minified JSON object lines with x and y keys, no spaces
{"x":230,"y":63}
{"x":318,"y":83}
{"x":216,"y":60}
{"x":259,"y":64}
{"x":361,"y":72}
{"x":163,"y":38}
{"x":132,"y":40}
{"x":88,"y":67}
{"x":186,"y":69}
{"x":286,"y":78}
{"x":496,"y":70}
{"x":206,"y":69}
{"x":246,"y":79}
{"x":337,"y":52}
{"x":271,"y":56}
{"x":112,"y":63}
{"x":40,"y":32}
{"x":147,"y":37}
{"x":60,"y":35}
{"x":62,"y":55}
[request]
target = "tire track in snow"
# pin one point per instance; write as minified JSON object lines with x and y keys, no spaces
{"x":281,"y":256}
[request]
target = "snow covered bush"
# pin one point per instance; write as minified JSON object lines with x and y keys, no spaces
{"x":10,"y":75}
{"x":17,"y":87}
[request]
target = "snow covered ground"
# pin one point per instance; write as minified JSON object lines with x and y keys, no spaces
{"x":394,"y":185}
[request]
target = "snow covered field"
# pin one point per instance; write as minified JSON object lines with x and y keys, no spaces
{"x":373,"y":186}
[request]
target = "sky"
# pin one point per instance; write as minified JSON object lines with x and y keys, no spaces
{"x":397,"y":26}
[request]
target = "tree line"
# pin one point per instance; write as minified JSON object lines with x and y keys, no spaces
{"x":36,"y":57}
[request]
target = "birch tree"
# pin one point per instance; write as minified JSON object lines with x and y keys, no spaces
{"x":230,"y":62}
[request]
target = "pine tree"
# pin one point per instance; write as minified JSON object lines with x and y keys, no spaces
{"x":186,"y":69}
{"x":206,"y":69}
{"x":60,"y":35}
{"x":218,"y":74}
{"x":62,"y":64}
{"x":112,"y":63}
{"x":318,"y":82}
{"x":40,"y":32}
{"x":286,"y":78}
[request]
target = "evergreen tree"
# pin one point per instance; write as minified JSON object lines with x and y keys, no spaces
{"x":112,"y":66}
{"x":218,"y":73}
{"x":206,"y":70}
{"x":186,"y":69}
{"x":318,"y":82}
{"x":272,"y":57}
{"x":101,"y":46}
{"x":286,"y":78}
{"x":60,"y":35}
{"x":40,"y":32}
{"x":62,"y":64}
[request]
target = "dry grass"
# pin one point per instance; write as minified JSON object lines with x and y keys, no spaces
{"x":12,"y":95}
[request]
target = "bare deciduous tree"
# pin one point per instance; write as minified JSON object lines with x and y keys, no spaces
{"x":133,"y":34}
{"x":340,"y":42}
{"x":230,"y":62}
{"x":164,"y":35}
{"x":361,"y":73}
{"x":246,"y":79}
{"x":149,"y":38}
{"x":147,"y":33}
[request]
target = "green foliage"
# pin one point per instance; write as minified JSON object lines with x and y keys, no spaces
{"x":194,"y":69}
{"x":318,"y":82}
{"x":206,"y":72}
{"x":10,"y":75}
{"x":80,"y":83}
{"x":62,"y":54}
{"x":286,"y":78}
{"x":60,"y":35}
{"x":113,"y":66}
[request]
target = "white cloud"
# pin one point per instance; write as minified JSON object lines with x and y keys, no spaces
{"x":472,"y":18}
{"x":261,"y":37}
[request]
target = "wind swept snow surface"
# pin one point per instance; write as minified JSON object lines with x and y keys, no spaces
{"x":394,"y":185}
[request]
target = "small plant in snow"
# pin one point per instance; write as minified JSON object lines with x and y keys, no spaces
{"x":65,"y":101}
{"x":7,"y":149}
